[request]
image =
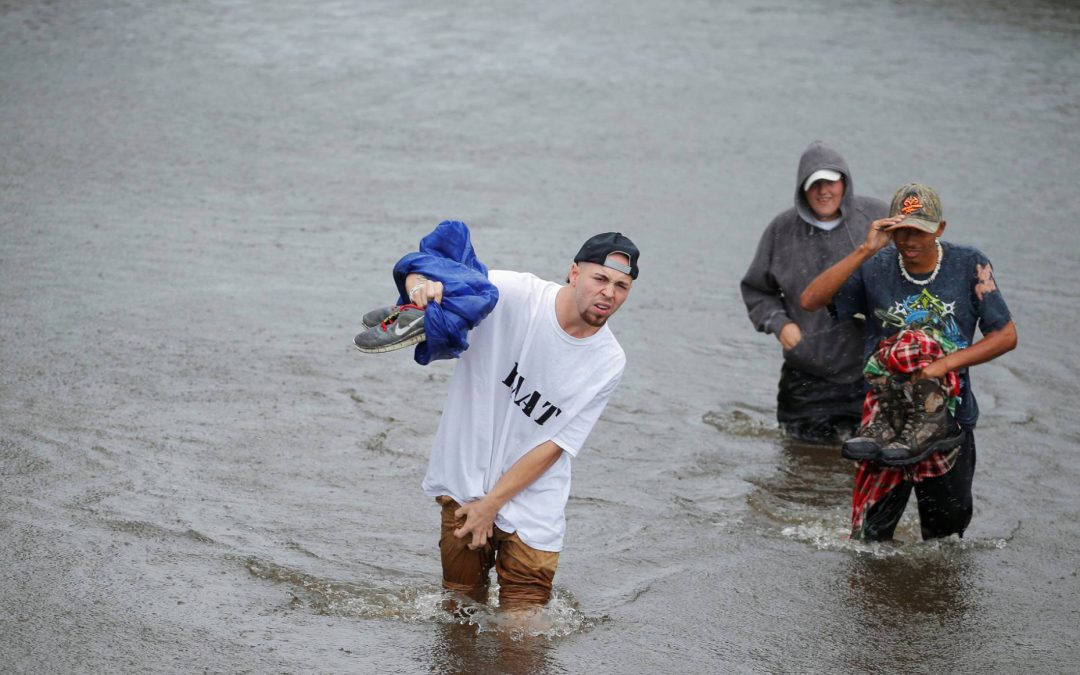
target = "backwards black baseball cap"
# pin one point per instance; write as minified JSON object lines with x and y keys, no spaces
{"x":599,"y":248}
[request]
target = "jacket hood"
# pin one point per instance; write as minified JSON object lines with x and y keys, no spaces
{"x":820,"y":155}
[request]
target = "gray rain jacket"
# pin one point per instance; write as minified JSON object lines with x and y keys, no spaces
{"x":791,"y":253}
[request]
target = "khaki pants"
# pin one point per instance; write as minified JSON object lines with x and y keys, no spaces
{"x":525,"y":573}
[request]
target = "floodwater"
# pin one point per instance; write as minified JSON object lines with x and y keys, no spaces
{"x":199,"y":200}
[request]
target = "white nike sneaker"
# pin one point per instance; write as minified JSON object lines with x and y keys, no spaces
{"x":404,"y":326}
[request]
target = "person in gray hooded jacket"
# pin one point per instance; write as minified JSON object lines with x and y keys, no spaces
{"x":821,"y":385}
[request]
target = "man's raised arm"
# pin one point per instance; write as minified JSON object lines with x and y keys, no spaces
{"x":822,"y":289}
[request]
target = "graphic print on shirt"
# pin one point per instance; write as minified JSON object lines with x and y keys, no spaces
{"x":986,"y":284}
{"x":528,"y":402}
{"x":926,"y":311}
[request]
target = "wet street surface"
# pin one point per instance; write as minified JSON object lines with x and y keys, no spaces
{"x":198,"y":202}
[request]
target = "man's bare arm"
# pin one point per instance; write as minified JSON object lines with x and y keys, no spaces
{"x":480,"y":514}
{"x":991,"y":346}
{"x":822,"y":289}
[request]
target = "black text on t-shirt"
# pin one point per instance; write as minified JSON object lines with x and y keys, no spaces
{"x":527,"y":403}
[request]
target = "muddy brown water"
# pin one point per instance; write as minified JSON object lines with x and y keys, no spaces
{"x":199,"y":200}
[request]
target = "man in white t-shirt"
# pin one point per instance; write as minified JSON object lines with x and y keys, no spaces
{"x":522,"y":401}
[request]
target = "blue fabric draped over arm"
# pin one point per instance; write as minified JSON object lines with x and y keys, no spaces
{"x":447,"y":255}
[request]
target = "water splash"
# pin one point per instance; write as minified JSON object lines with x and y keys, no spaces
{"x":739,"y":423}
{"x":559,"y":618}
{"x":829,"y":538}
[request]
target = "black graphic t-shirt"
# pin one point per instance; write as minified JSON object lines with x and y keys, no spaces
{"x":963,"y":296}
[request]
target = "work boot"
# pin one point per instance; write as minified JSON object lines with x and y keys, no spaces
{"x":928,"y":425}
{"x":881,"y":429}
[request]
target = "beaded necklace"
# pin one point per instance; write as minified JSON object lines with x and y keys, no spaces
{"x":933,"y":275}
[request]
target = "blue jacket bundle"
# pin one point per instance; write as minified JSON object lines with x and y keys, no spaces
{"x":447,"y":255}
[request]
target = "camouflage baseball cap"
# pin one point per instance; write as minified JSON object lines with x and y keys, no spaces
{"x":920,"y":204}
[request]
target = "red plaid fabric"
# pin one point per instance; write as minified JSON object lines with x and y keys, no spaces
{"x":873,"y":482}
{"x":906,"y":352}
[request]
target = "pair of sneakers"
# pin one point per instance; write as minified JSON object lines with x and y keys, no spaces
{"x":390,"y":328}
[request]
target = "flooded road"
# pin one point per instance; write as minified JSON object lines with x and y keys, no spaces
{"x":198,"y":201}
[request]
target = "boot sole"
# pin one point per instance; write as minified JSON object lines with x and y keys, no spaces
{"x":871,"y":453}
{"x":394,"y":346}
{"x":937,"y":446}
{"x":867,"y":456}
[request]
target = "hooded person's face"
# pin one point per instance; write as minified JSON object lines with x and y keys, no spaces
{"x":824,"y":198}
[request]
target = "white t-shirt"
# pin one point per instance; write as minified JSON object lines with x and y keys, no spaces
{"x":827,"y":225}
{"x":522,"y":381}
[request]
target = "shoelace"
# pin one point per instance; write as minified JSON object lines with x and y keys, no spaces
{"x":392,"y":317}
{"x":881,"y":421}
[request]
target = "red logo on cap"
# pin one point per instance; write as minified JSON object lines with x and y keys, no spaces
{"x":911,"y":205}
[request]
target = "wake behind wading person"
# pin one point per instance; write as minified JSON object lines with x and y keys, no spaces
{"x":821,"y":388}
{"x":923,"y":300}
{"x":537,"y":366}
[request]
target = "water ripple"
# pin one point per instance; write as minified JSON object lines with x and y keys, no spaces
{"x":425,"y":604}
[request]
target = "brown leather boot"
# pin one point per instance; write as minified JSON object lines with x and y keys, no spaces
{"x":881,"y":428}
{"x":928,"y":425}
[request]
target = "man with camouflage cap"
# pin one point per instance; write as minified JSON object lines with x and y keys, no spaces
{"x":933,"y":295}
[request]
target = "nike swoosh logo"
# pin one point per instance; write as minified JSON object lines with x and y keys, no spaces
{"x":400,"y":328}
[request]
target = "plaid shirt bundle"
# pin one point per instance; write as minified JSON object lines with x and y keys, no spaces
{"x":902,"y":354}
